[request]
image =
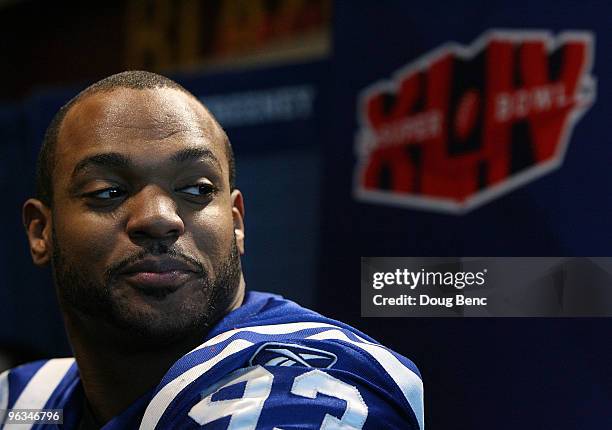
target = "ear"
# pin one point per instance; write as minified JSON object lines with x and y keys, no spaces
{"x":37,"y":222}
{"x":238,"y":217}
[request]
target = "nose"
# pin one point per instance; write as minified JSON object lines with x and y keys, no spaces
{"x":154,"y":217}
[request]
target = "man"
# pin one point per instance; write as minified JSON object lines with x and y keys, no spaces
{"x":138,"y":214}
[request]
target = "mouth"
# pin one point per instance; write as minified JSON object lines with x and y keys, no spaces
{"x":158,"y":275}
{"x":173,"y":278}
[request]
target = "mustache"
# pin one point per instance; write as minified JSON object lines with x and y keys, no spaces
{"x":112,"y":271}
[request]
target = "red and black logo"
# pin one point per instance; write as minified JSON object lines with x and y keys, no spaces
{"x":461,"y":125}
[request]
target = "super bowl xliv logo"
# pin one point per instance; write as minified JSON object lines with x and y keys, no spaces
{"x":460,"y":125}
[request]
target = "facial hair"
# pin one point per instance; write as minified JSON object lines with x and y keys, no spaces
{"x":81,"y":294}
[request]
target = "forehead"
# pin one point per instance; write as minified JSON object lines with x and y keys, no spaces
{"x":136,"y":122}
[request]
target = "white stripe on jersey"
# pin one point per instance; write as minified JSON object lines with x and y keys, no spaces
{"x":40,"y":387}
{"x":407,"y":381}
{"x":266,"y":329}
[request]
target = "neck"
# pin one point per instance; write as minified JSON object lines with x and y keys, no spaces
{"x":114,"y":378}
{"x":113,"y":371}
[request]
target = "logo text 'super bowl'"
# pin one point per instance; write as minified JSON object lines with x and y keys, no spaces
{"x":462,"y":125}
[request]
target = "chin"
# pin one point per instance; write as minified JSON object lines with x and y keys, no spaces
{"x":160,"y":321}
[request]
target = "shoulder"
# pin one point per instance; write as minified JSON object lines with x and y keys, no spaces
{"x":309,"y":373}
{"x":33,"y":385}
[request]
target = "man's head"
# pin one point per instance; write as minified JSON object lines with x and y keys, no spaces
{"x":137,"y":210}
{"x":137,"y":80}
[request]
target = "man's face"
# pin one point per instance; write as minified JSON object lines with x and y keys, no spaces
{"x":143,"y":222}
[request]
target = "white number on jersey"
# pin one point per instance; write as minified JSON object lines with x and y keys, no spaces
{"x":245,"y":411}
{"x":314,"y":382}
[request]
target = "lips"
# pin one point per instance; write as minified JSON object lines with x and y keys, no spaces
{"x":158,"y":273}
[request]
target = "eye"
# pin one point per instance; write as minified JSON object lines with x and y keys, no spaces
{"x":198,"y":190}
{"x":107,"y":193}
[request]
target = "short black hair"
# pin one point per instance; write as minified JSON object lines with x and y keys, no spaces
{"x":133,"y":79}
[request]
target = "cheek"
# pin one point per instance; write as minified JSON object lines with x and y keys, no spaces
{"x":212,"y":232}
{"x":85,"y":237}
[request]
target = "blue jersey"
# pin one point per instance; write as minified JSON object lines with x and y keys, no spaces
{"x":270,"y":364}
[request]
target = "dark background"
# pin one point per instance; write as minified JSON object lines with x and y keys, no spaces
{"x":305,"y":231}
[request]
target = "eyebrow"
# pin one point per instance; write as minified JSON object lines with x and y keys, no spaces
{"x":195,"y":154}
{"x":114,"y":160}
{"x":111,"y":160}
